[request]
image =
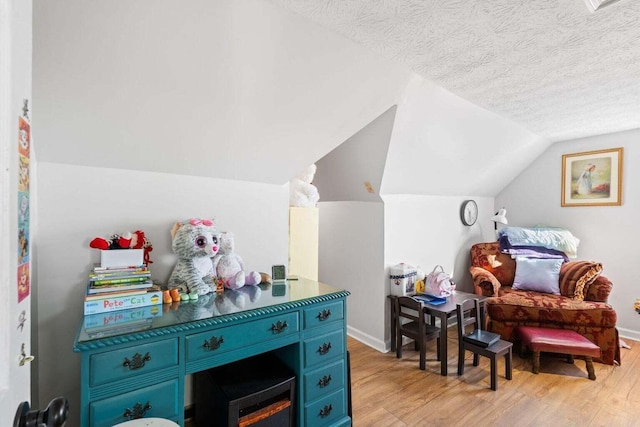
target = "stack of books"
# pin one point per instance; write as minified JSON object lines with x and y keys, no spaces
{"x":120,"y":288}
{"x":122,"y":321}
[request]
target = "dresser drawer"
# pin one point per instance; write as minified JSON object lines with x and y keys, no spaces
{"x":228,"y":338}
{"x":323,"y":348}
{"x":159,"y":400}
{"x":326,"y":379}
{"x":321,"y":315}
{"x":325,"y":410}
{"x":132,"y":361}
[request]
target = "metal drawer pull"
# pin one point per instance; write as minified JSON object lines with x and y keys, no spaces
{"x":324,"y":412}
{"x":137,"y":362}
{"x":324,"y":349}
{"x":324,"y":381}
{"x":213,"y":343}
{"x":139,"y":411}
{"x":324,"y":314}
{"x":279,"y":326}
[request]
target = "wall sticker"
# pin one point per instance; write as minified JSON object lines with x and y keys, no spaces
{"x":24,"y":149}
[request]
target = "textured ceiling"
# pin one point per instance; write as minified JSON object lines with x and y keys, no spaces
{"x":552,"y":66}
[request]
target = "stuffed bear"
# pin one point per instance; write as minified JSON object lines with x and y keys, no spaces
{"x":301,"y":191}
{"x":195,"y":242}
{"x":229,"y":266}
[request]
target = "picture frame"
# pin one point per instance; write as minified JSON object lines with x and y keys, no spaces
{"x":592,"y":178}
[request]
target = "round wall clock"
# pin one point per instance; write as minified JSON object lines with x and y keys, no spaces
{"x":469,"y":212}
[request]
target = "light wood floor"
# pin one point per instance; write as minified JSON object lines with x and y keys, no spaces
{"x":394,"y":392}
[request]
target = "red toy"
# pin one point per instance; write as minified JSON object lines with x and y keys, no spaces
{"x":135,"y":240}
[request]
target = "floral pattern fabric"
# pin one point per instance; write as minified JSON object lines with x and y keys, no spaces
{"x":507,"y":308}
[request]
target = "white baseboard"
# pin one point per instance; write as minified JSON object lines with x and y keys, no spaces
{"x":385,"y":347}
{"x":629,"y":334}
{"x":375,"y":343}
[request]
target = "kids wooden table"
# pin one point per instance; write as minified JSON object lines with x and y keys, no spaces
{"x":442,"y":312}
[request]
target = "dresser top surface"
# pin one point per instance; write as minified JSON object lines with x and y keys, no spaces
{"x":210,"y":309}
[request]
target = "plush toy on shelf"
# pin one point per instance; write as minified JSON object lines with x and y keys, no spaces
{"x":127,"y":240}
{"x":302,"y":192}
{"x":229,"y":266}
{"x":195,"y":242}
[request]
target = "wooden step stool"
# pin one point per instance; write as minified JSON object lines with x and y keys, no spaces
{"x":563,"y":341}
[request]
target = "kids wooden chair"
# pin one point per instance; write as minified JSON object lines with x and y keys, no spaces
{"x":480,"y":342}
{"x":411,"y":312}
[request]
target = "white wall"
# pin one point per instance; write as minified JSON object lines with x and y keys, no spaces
{"x":607,"y":234}
{"x":15,"y":86}
{"x":78,"y":203}
{"x":427,"y":231}
{"x":234,"y":89}
{"x":351,"y":257}
{"x":359,"y":241}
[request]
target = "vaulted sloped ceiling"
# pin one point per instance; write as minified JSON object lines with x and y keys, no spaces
{"x":249,"y":90}
{"x":444,"y":145}
{"x":227,"y":89}
{"x":353,"y":171}
{"x":553,"y":66}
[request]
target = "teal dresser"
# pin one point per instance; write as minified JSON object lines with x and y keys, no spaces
{"x":134,"y":363}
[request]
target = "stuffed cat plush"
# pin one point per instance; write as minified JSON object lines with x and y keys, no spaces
{"x":195,"y":242}
{"x":229,"y":266}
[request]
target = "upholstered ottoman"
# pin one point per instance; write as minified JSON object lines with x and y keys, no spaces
{"x":563,"y":341}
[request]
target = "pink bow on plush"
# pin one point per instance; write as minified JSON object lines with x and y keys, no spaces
{"x":197,"y":221}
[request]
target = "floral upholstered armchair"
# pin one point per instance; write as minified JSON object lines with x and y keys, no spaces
{"x":578,"y":302}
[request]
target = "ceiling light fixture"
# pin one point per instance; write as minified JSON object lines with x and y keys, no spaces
{"x":596,"y":5}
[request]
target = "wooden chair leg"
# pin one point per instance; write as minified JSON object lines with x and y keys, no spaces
{"x":507,"y":364}
{"x":590,"y":371}
{"x":423,"y":354}
{"x":536,"y":362}
{"x":494,"y":372}
{"x":476,"y":359}
{"x":461,"y":353}
{"x":569,"y":358}
{"x":399,"y":345}
{"x":438,"y":349}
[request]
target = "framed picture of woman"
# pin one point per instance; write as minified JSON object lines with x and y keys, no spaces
{"x":592,"y":178}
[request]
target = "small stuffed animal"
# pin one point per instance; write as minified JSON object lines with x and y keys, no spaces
{"x":420,"y":278}
{"x":229,"y":266}
{"x":301,"y":191}
{"x":120,"y":241}
{"x":127,"y":240}
{"x":195,"y":242}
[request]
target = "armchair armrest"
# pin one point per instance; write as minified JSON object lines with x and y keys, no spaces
{"x":599,"y":290}
{"x":484,"y":282}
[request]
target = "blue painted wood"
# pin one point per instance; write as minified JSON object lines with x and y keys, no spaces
{"x":157,"y":401}
{"x":326,"y":411}
{"x":326,"y":379}
{"x":221,"y":340}
{"x":319,"y":316}
{"x":323,"y":348}
{"x":112,"y":365}
{"x":234,"y":326}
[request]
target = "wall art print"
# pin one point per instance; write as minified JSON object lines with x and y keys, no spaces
{"x":24,"y":150}
{"x":592,"y":178}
